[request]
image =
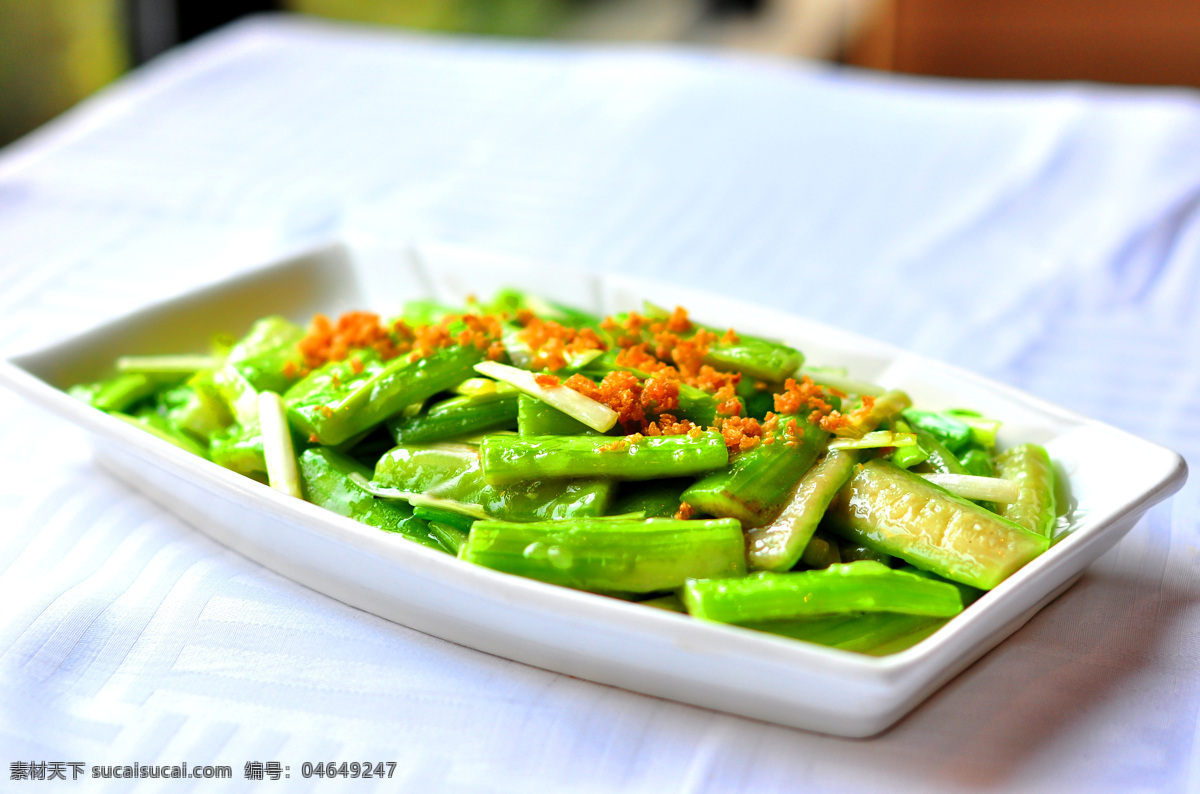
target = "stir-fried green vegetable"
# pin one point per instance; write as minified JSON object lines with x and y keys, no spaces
{"x":690,"y":467}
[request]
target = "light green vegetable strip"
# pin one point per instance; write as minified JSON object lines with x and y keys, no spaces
{"x":277,"y":445}
{"x":595,"y":415}
{"x":838,"y":589}
{"x":1029,"y":466}
{"x":779,"y":545}
{"x":992,"y":489}
{"x":509,"y":459}
{"x":120,"y":392}
{"x":876,"y":440}
{"x":907,"y":457}
{"x":166,"y":365}
{"x":326,"y":477}
{"x":453,"y":471}
{"x":898,"y":513}
{"x":610,"y":556}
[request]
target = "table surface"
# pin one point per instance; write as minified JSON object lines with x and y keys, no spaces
{"x":1046,"y":236}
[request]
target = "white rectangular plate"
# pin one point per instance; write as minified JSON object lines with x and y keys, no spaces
{"x":1114,"y":478}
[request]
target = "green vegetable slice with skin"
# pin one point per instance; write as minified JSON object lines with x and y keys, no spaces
{"x":453,"y":472}
{"x":457,"y":417}
{"x":452,"y":537}
{"x":895,"y":512}
{"x":326,"y":477}
{"x":1029,"y":467}
{"x":977,"y":462}
{"x":240,"y":450}
{"x":950,"y":430}
{"x":513,"y":458}
{"x":847,"y":587}
{"x":983,"y":430}
{"x":459,"y":521}
{"x":779,"y":545}
{"x":121,"y":392}
{"x":654,"y":498}
{"x":335,"y":403}
{"x":266,"y":353}
{"x":610,"y":556}
{"x":907,"y":457}
{"x":754,"y":357}
{"x":758,"y":480}
{"x":197,"y":407}
{"x":938,"y":458}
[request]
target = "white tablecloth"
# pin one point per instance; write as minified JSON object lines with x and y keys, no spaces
{"x":1046,"y":236}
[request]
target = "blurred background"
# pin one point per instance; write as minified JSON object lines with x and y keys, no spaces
{"x":54,"y":53}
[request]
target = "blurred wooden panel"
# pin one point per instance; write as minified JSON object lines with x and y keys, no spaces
{"x":54,"y":53}
{"x":1117,"y":41}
